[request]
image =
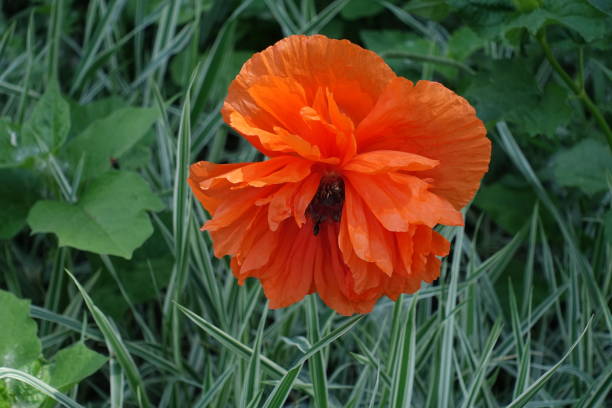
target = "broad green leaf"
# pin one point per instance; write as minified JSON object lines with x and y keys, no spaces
{"x":81,"y":116}
{"x":18,"y":192}
{"x":494,"y":199}
{"x":138,"y":157}
{"x":109,"y":218}
{"x":49,"y":122}
{"x":500,"y":17}
{"x":487,"y":19}
{"x":109,"y":138}
{"x":19,"y":344}
{"x":545,"y":117}
{"x":584,"y":166}
{"x":526,"y":5}
{"x":360,"y":8}
{"x":507,"y":87}
{"x":463,"y":42}
{"x":576,"y":15}
{"x":73,"y":364}
{"x":430,"y":9}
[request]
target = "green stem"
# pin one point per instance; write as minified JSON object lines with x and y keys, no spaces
{"x":577,"y":89}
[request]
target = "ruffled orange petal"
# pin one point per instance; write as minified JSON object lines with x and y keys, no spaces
{"x":384,"y":161}
{"x":200,"y":171}
{"x":289,"y":274}
{"x":401,"y":200}
{"x":334,"y":281}
{"x":274,"y":85}
{"x":431,"y":120}
{"x":409,"y":257}
{"x":370,"y":241}
{"x":419,"y":249}
{"x":366,"y":276}
{"x":273,"y":142}
{"x":234,"y":205}
{"x":285,"y":169}
{"x":292,"y":200}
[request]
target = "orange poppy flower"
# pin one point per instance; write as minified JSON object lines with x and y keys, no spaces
{"x":362,"y":164}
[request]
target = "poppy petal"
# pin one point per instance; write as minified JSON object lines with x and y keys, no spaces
{"x":313,"y":62}
{"x":289,"y":273}
{"x":383,"y":161}
{"x":400,"y":200}
{"x":286,"y":169}
{"x":370,"y":241}
{"x":334,"y":281}
{"x":430,"y":120}
{"x":273,"y":142}
{"x":292,"y":199}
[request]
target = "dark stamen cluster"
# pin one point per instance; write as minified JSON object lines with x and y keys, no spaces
{"x":327,"y":203}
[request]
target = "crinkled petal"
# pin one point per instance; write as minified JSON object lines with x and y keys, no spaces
{"x":234,"y":205}
{"x":430,"y":120}
{"x":355,"y":75}
{"x":384,"y":161}
{"x":370,"y":241}
{"x":201,"y":171}
{"x":308,"y":189}
{"x":366,"y":275}
{"x":275,"y":84}
{"x":274,"y":141}
{"x":401,"y":200}
{"x":289,"y":274}
{"x":334,"y":281}
{"x":284,"y":169}
{"x":291,"y":199}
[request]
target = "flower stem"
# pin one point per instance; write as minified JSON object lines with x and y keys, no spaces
{"x":578,"y":89}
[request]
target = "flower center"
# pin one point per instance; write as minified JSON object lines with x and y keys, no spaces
{"x":327,"y":203}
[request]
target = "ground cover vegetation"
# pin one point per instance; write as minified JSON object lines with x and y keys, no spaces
{"x":110,"y":294}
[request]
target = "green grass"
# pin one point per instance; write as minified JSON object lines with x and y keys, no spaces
{"x":519,"y":317}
